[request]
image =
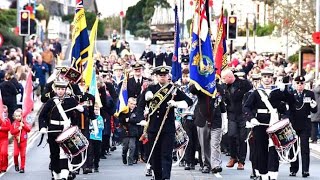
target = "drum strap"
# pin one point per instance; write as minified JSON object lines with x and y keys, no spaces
{"x":274,"y":114}
{"x":61,"y":110}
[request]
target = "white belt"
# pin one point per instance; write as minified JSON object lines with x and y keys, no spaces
{"x":55,"y":122}
{"x":265,"y":111}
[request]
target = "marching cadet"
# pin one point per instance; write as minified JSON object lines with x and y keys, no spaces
{"x":19,"y":129}
{"x":161,"y":123}
{"x":304,"y":104}
{"x":54,"y":118}
{"x":255,"y":109}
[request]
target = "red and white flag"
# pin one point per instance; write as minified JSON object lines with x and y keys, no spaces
{"x":1,"y":107}
{"x":27,"y":102}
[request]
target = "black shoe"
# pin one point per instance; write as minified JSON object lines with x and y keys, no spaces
{"x":217,"y":169}
{"x":96,"y":170}
{"x":16,"y":167}
{"x":149,"y":172}
{"x":292,"y":174}
{"x":205,"y":169}
{"x":113,"y":148}
{"x":77,"y":171}
{"x":124,"y":159}
{"x":187,"y":167}
{"x":135,"y":162}
{"x":87,"y":171}
{"x":21,"y":171}
{"x":192,"y":167}
{"x":130,"y":164}
{"x":305,"y":174}
{"x":103,"y":157}
{"x":201,"y":168}
{"x":253,"y":176}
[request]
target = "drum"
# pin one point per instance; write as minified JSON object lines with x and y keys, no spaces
{"x":282,"y":134}
{"x":182,"y":138}
{"x":72,"y":141}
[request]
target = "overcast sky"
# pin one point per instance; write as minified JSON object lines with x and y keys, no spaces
{"x":111,"y":7}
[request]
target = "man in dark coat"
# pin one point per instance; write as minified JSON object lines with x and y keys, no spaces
{"x":147,"y":55}
{"x":160,"y":113}
{"x":301,"y":121}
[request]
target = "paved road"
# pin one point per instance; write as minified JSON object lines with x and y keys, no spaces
{"x":112,"y":168}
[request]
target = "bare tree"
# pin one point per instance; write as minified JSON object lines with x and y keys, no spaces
{"x":297,"y":18}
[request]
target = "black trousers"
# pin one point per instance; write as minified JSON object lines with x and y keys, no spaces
{"x":191,"y":130}
{"x":265,"y":159}
{"x":105,"y":144}
{"x":95,"y":154}
{"x":314,"y":130}
{"x":305,"y":152}
{"x":161,"y":159}
{"x":56,"y":163}
{"x":237,"y":135}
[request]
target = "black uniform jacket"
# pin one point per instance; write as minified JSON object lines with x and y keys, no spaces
{"x":253,"y":104}
{"x":51,"y":112}
{"x":301,"y":111}
{"x":133,"y":88}
{"x":157,"y":117}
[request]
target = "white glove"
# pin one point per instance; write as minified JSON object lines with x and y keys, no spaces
{"x":142,"y":123}
{"x":67,"y":124}
{"x":281,"y":87}
{"x":43,"y":130}
{"x":224,"y":125}
{"x":148,"y":96}
{"x":249,"y":125}
{"x":80,"y":108}
{"x":172,"y":103}
{"x":95,"y":127}
{"x":254,"y":122}
{"x":127,"y":119}
{"x":313,"y":103}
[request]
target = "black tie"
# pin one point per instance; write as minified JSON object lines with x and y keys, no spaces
{"x":139,"y":82}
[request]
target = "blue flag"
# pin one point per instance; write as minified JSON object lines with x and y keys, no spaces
{"x":202,"y":67}
{"x":80,"y":39}
{"x":176,"y":66}
{"x":122,"y":106}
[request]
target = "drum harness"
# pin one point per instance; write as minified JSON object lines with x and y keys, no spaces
{"x":274,"y":117}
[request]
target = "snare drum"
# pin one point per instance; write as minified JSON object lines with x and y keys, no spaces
{"x":72,"y":141}
{"x":182,"y":138}
{"x":282,"y":134}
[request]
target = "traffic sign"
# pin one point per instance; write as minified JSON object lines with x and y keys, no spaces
{"x":1,"y":40}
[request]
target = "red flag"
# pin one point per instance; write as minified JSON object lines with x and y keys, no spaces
{"x":27,"y":102}
{"x":1,"y":107}
{"x":220,"y":48}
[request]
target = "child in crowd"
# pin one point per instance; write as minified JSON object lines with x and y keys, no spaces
{"x":129,"y":124}
{"x":5,"y":125}
{"x":19,"y":130}
{"x":96,"y":140}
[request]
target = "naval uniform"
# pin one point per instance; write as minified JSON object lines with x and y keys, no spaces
{"x":264,"y":158}
{"x":161,"y":158}
{"x":301,"y":122}
{"x":50,"y":118}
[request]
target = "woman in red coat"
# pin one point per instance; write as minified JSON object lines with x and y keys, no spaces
{"x":19,"y":130}
{"x":5,"y":125}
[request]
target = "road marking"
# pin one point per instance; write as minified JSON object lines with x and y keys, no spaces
{"x":29,"y":145}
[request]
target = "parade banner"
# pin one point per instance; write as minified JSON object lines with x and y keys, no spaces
{"x":176,"y":66}
{"x":202,"y":68}
{"x":220,"y":47}
{"x":88,"y":72}
{"x":27,"y":101}
{"x":80,"y":39}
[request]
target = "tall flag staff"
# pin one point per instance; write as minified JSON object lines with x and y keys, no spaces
{"x":176,"y":66}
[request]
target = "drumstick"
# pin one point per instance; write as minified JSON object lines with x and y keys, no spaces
{"x":70,"y":109}
{"x":53,"y":131}
{"x":264,"y":124}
